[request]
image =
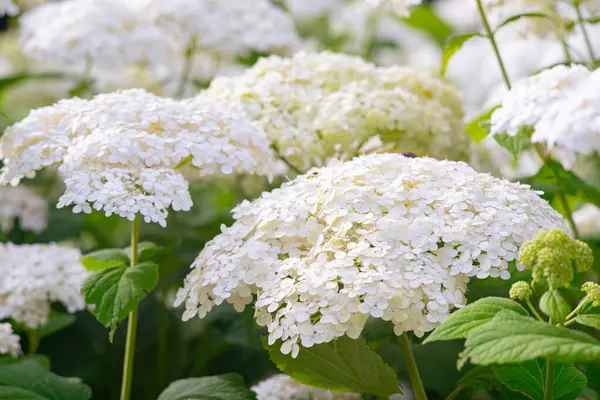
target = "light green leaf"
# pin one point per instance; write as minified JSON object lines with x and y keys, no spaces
{"x":517,"y":143}
{"x":146,"y":250}
{"x":56,"y":322}
{"x":518,"y":17}
{"x":342,"y":365}
{"x":529,"y":379}
{"x":461,"y":322}
{"x":554,"y":305}
{"x":454,"y":44}
{"x":512,"y":338}
{"x":426,"y":20}
{"x":105,"y":258}
{"x":221,"y":387}
{"x":116,"y":291}
{"x":592,"y":320}
{"x":27,"y":380}
{"x":478,"y":129}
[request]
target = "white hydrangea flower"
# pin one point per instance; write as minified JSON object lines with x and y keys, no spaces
{"x":587,"y":219}
{"x":227,"y":27}
{"x":311,"y":9}
{"x":383,"y":235}
{"x":9,"y":342}
{"x":282,"y":387}
{"x":99,"y":32}
{"x":34,"y":276}
{"x":315,"y":106}
{"x":24,"y":204}
{"x":401,"y":7}
{"x":127,"y":152}
{"x":555,"y":13}
{"x":8,"y":7}
{"x":562,"y":107}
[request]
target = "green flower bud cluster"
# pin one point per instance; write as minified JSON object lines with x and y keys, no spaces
{"x":592,"y":290}
{"x":520,"y":291}
{"x":552,"y":255}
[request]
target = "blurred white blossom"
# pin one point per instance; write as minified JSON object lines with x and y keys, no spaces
{"x":315,"y":106}
{"x":9,"y":342}
{"x":383,"y":235}
{"x":24,"y":204}
{"x":8,"y":7}
{"x":282,"y":387}
{"x":34,"y":276}
{"x":587,"y":219}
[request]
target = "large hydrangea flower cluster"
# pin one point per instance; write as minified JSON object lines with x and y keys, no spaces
{"x":384,"y":235}
{"x":315,"y":106}
{"x":127,"y":152}
{"x":24,"y":204}
{"x":7,"y":7}
{"x":562,"y":107}
{"x":34,"y":276}
{"x":9,"y":342}
{"x":282,"y":387}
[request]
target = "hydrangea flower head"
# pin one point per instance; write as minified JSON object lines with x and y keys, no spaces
{"x":592,"y":291}
{"x":553,"y":254}
{"x":561,"y":106}
{"x":520,"y":291}
{"x":7,"y":7}
{"x":9,"y":342}
{"x":383,"y":235}
{"x":282,"y":387}
{"x":34,"y":276}
{"x":127,"y":152}
{"x":24,"y":204}
{"x":315,"y":106}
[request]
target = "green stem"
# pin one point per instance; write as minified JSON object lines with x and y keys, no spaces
{"x":34,"y":341}
{"x":163,"y":325}
{"x":187,"y":67}
{"x":455,"y":393}
{"x":586,"y":36}
{"x":534,"y":311}
{"x":549,"y":379}
{"x":132,"y":324}
{"x":490,"y":35}
{"x":573,"y":313}
{"x":411,"y":367}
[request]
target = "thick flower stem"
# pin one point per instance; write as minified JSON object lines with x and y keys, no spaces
{"x":549,"y":380}
{"x":411,"y":367}
{"x":187,"y":68}
{"x":490,"y":35}
{"x":586,"y":36}
{"x":34,"y":341}
{"x":132,"y":323}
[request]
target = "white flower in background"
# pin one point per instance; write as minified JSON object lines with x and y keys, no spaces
{"x":311,"y":9}
{"x":24,"y":204}
{"x":127,"y":152}
{"x":315,"y":106}
{"x":7,"y":7}
{"x":97,"y":32}
{"x":34,"y":276}
{"x":555,"y":12}
{"x":461,"y":15}
{"x":587,"y":219}
{"x":282,"y":387}
{"x":401,"y":7}
{"x":225,"y":27}
{"x":9,"y":342}
{"x":383,"y":235}
{"x":561,"y":106}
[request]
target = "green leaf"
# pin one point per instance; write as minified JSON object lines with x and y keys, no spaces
{"x":425,"y":19}
{"x":221,"y":387}
{"x":529,"y":379}
{"x":554,"y":305}
{"x":478,"y":129}
{"x":512,"y":338}
{"x":27,"y":380}
{"x":342,"y":365}
{"x":105,"y":258}
{"x":515,"y":144}
{"x":453,"y":45}
{"x":479,"y":378}
{"x":146,"y":250}
{"x":116,"y":291}
{"x":42,"y":360}
{"x":56,"y":322}
{"x":518,"y":17}
{"x":592,"y":320}
{"x":461,"y":322}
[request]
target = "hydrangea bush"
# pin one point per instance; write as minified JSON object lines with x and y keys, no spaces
{"x":299,"y":199}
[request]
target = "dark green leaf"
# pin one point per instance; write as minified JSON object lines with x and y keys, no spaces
{"x":512,"y":338}
{"x":478,"y":129}
{"x":116,"y":291}
{"x":554,"y":305}
{"x":518,"y":17}
{"x":461,"y":322}
{"x":453,"y":45}
{"x":517,"y":143}
{"x":146,"y":250}
{"x":529,"y":379}
{"x":479,"y":378}
{"x":222,"y":387}
{"x":342,"y":365}
{"x":56,"y":322}
{"x":105,"y":258}
{"x":42,"y":360}
{"x":592,"y":320}
{"x":27,"y":380}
